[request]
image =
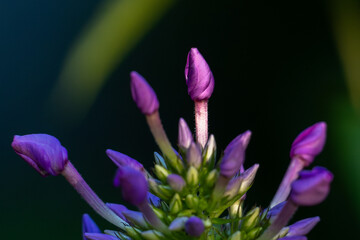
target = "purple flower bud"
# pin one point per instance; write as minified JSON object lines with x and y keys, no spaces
{"x":43,"y":152}
{"x":309,"y":143}
{"x":176,"y":182}
{"x":88,"y":225}
{"x":199,"y":78}
{"x":118,"y":209}
{"x":99,"y":236}
{"x":142,"y":94}
{"x":234,"y":155}
{"x":193,"y":155}
{"x":133,"y":185}
{"x":194,"y":226}
{"x":312,"y":187}
{"x":303,"y":227}
{"x":274,"y":211}
{"x":122,"y":160}
{"x":136,"y":218}
{"x":185,"y":137}
{"x":294,"y":238}
{"x":153,"y":200}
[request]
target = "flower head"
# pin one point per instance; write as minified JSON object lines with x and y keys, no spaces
{"x":312,"y":187}
{"x":309,"y":143}
{"x":142,"y":94}
{"x":199,"y":78}
{"x":42,"y":151}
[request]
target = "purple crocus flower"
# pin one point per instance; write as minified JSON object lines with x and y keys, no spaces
{"x":133,"y":185}
{"x":42,"y":151}
{"x":143,"y":94}
{"x":312,"y":187}
{"x":89,"y":226}
{"x":309,"y":143}
{"x":194,"y":226}
{"x":176,"y":182}
{"x":185,"y":137}
{"x":99,"y":236}
{"x":302,"y":227}
{"x":199,"y":78}
{"x":118,"y":209}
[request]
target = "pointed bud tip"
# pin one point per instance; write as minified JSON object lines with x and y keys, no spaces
{"x":143,"y":94}
{"x":42,"y":151}
{"x":185,"y":136}
{"x":309,"y":143}
{"x":199,"y":78}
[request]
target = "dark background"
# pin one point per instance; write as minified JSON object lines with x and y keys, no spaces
{"x":276,"y":68}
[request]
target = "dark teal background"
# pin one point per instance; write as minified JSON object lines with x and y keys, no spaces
{"x":276,"y":69}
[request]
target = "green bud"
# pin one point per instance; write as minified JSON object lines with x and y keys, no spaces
{"x":159,"y":213}
{"x":254,"y":233}
{"x":133,"y":233}
{"x":282,"y":233}
{"x":248,"y":179}
{"x":209,"y":153}
{"x":161,"y":172}
{"x":159,"y":160}
{"x":251,"y":219}
{"x":191,"y":201}
{"x":211,"y":178}
{"x":186,"y":213}
{"x":166,"y":191}
{"x":192,"y":176}
{"x":175,"y":204}
{"x":236,"y":236}
{"x":207,"y":223}
{"x":152,"y":235}
{"x":160,"y":190}
{"x":235,"y":210}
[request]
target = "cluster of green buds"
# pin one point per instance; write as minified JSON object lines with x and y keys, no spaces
{"x":192,"y":192}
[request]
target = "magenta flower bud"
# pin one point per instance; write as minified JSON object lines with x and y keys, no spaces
{"x":185,"y":137}
{"x":176,"y":182}
{"x":302,"y":227}
{"x":194,"y":226}
{"x":118,"y":209}
{"x":312,"y":187}
{"x":243,"y":139}
{"x":193,"y":155}
{"x":43,"y":152}
{"x":309,"y":143}
{"x":89,"y":226}
{"x":199,"y":78}
{"x":133,"y":185}
{"x":99,"y":236}
{"x":122,"y":160}
{"x":234,"y":155}
{"x":142,"y":94}
{"x":294,"y":238}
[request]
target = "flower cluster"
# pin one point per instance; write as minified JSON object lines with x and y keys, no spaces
{"x":191,"y":194}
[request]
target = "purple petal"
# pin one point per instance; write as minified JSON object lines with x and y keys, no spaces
{"x":185,"y":137}
{"x":118,"y":209}
{"x":142,"y":94}
{"x":99,"y":236}
{"x":194,"y":226}
{"x":89,"y":226}
{"x":42,"y":151}
{"x":133,"y":185}
{"x":243,"y":139}
{"x":302,"y":227}
{"x":309,"y":143}
{"x":294,"y":238}
{"x":122,"y":160}
{"x":312,"y":187}
{"x":199,"y":78}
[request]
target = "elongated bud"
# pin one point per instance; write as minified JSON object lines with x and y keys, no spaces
{"x":133,"y":186}
{"x":163,"y":192}
{"x":194,"y":226}
{"x":233,"y":159}
{"x":199,"y":78}
{"x":89,"y":226}
{"x":185,"y":137}
{"x":312,"y":187}
{"x":193,"y":156}
{"x":176,"y":182}
{"x":159,"y":160}
{"x":309,"y":143}
{"x":303,"y":227}
{"x":142,"y":94}
{"x":175,"y":204}
{"x":178,"y":224}
{"x":122,"y":160}
{"x":248,"y":178}
{"x":242,"y":139}
{"x":192,"y":176}
{"x":251,"y":219}
{"x":211,"y":178}
{"x":209,"y":153}
{"x":236,"y":209}
{"x":153,"y":200}
{"x":99,"y":236}
{"x":42,"y":151}
{"x":192,"y":201}
{"x":161,"y":172}
{"x":235,"y":236}
{"x":137,"y":218}
{"x":152,"y":235}
{"x":118,"y":209}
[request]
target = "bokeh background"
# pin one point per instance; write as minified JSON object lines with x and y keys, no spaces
{"x":279,"y":67}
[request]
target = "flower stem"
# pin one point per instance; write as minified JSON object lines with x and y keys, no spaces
{"x":280,"y":221}
{"x":74,"y":178}
{"x":292,"y":173}
{"x":162,"y":140}
{"x":201,"y":121}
